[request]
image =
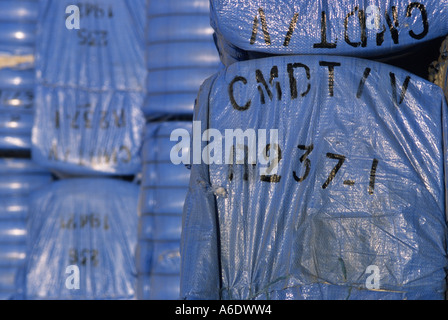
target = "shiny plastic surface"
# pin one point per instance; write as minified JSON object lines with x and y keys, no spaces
{"x":162,"y":195}
{"x":82,"y":132}
{"x":107,"y":52}
{"x":90,"y":87}
{"x":68,"y":226}
{"x":359,"y":191}
{"x":181,"y":54}
{"x":18,"y":25}
{"x":247,"y":28}
{"x":174,"y":7}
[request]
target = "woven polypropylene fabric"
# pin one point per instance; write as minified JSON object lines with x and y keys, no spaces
{"x":359,"y":187}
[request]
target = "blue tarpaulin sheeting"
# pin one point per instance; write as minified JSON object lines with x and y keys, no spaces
{"x":356,"y":209}
{"x":89,"y":223}
{"x":247,"y":29}
{"x":90,"y":86}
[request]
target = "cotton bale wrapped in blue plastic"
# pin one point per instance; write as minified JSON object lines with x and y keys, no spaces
{"x":336,"y":189}
{"x":88,"y":116}
{"x":249,"y":29}
{"x":18,"y":178}
{"x":82,"y":237}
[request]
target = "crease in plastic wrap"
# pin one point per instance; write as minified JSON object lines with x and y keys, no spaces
{"x":250,"y":29}
{"x":18,"y":179}
{"x":89,"y":223}
{"x":357,"y":207}
{"x":162,"y":195}
{"x":90,"y":87}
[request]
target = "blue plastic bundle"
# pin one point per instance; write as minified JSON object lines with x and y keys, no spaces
{"x":82,"y":240}
{"x":18,"y":178}
{"x":18,"y":26}
{"x":106,"y":52}
{"x":337,"y":191}
{"x":91,"y":74}
{"x":180,"y":55}
{"x":81,"y":132}
{"x":18,"y":22}
{"x":248,"y":29}
{"x":16,"y":108}
{"x":164,"y":187}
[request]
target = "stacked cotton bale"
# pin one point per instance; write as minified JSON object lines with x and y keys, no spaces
{"x":88,"y":130}
{"x":181,"y":54}
{"x":339,"y":191}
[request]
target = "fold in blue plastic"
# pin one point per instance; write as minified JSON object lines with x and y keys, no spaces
{"x":247,"y":29}
{"x":87,"y":223}
{"x":356,"y":209}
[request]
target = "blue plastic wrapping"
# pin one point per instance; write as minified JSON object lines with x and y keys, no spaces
{"x":157,"y":257}
{"x":16,"y":78}
{"x":175,"y":7}
{"x":13,"y":231}
{"x":15,"y":130}
{"x":164,"y":186}
{"x":143,"y":257}
{"x":175,"y":28}
{"x":70,"y":227}
{"x":12,"y":255}
{"x":18,"y":178}
{"x":356,"y":209}
{"x":160,"y":227}
{"x":21,"y":166}
{"x":143,"y":286}
{"x":18,"y":26}
{"x":88,"y":117}
{"x":22,"y":34}
{"x":107,"y":52}
{"x":7,"y":277}
{"x":13,"y":207}
{"x":16,"y":102}
{"x":17,"y":88}
{"x":247,"y":29}
{"x":180,"y":55}
{"x":165,"y":287}
{"x":158,"y":201}
{"x":81,"y":132}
